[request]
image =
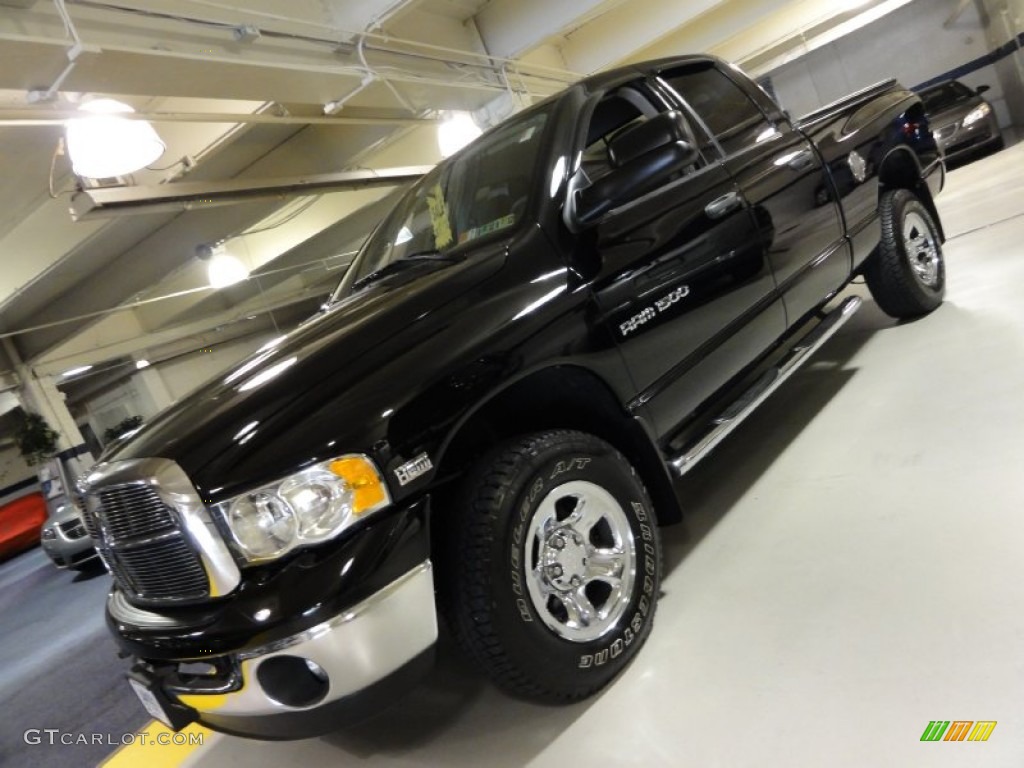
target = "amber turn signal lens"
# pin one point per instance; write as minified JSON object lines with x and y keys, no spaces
{"x":368,"y":489}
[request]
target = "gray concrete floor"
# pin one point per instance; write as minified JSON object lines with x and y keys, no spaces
{"x":850,"y":569}
{"x":58,"y":665}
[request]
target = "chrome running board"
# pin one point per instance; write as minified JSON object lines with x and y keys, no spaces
{"x":771,"y":380}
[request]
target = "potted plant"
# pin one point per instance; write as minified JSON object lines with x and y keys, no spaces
{"x":36,"y":439}
{"x":123,"y":427}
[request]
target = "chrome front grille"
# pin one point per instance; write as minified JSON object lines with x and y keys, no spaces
{"x":140,"y":538}
{"x":73,"y":529}
{"x":165,"y":568}
{"x":90,"y":525}
{"x":154,"y":533}
{"x":131,"y":511}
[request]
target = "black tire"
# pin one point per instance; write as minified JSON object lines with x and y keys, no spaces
{"x":490,"y":586}
{"x":906,"y":274}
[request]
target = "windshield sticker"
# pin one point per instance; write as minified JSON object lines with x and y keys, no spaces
{"x":439,"y":220}
{"x":486,"y":229}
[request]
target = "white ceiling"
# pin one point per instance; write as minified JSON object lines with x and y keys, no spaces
{"x":92,"y":291}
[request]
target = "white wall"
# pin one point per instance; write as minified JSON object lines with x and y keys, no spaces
{"x":910,"y":44}
{"x":114,"y":405}
{"x":8,"y":401}
{"x":1005,"y":24}
{"x":184,"y":374}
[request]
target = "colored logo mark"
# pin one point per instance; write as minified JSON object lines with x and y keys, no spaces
{"x":958,"y":730}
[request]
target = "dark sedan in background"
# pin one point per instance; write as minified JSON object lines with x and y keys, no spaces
{"x":964,"y":124}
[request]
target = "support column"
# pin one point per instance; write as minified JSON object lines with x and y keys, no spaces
{"x":1003,"y":28}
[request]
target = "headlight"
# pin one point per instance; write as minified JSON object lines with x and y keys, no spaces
{"x":48,"y":534}
{"x":309,"y":507}
{"x":976,"y":114}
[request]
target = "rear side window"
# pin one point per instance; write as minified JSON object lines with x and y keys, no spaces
{"x":733,"y":119}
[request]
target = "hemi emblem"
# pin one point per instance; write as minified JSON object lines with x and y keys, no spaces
{"x":413,"y":468}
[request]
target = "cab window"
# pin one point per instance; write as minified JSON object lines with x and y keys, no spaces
{"x":617,"y":112}
{"x":731,"y":117}
{"x":613,"y":114}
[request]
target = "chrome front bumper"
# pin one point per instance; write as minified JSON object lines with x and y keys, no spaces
{"x":315,"y":681}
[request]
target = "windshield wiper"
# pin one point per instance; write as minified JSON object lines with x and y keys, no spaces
{"x":402,"y":263}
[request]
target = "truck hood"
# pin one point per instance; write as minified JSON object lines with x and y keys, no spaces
{"x":240,"y":428}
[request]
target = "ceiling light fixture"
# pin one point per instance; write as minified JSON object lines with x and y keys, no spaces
{"x":140,"y":364}
{"x":102,"y":145}
{"x":222,"y":268}
{"x":455,"y":132}
{"x":76,"y":371}
{"x":247,"y":33}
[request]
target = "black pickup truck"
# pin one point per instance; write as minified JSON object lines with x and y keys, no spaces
{"x":485,"y":421}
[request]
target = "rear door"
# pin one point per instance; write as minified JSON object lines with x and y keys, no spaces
{"x":683,"y":283}
{"x":780,"y":176}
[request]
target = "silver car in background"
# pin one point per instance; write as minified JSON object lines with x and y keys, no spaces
{"x":963,"y":123}
{"x":66,"y":540}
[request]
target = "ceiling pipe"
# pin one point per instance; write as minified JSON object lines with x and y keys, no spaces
{"x":101,"y":202}
{"x":387,"y":42}
{"x":334,"y":106}
{"x":26,"y":116}
{"x":342,"y":261}
{"x":169,"y":336}
{"x":73,"y":52}
{"x":485,"y":59}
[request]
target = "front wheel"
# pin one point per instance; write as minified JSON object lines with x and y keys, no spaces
{"x":907,"y":272}
{"x":553,"y":566}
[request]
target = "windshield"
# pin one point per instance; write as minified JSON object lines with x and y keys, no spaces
{"x":945,"y":95}
{"x":482,"y":190}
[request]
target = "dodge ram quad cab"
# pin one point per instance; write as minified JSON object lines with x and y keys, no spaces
{"x":485,"y":421}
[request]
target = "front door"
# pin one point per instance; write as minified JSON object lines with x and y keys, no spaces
{"x":683,"y":282}
{"x":781,"y":178}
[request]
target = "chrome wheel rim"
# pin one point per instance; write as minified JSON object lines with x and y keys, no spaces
{"x":921,"y":248}
{"x":580,"y":561}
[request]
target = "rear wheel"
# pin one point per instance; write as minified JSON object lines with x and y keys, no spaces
{"x":553,"y":566}
{"x":907,"y":272}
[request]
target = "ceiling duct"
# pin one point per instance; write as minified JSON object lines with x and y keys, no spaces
{"x":184,"y":196}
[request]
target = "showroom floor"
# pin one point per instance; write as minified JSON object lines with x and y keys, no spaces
{"x":58,"y":665}
{"x":850,"y":568}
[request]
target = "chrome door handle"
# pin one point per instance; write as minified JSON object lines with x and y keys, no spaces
{"x":802,"y":160}
{"x":723,"y":205}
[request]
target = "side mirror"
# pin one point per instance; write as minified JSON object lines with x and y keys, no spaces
{"x":982,"y":89}
{"x":643,"y":157}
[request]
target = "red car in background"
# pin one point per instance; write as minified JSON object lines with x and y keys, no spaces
{"x":20,"y":523}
